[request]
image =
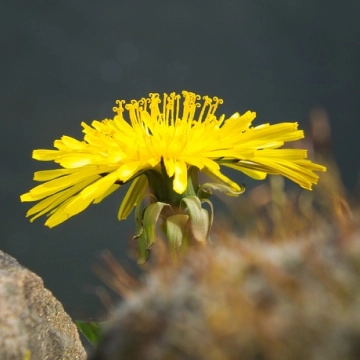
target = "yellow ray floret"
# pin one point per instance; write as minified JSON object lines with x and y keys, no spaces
{"x":172,"y":133}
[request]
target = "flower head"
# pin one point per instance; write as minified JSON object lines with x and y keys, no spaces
{"x":162,"y":138}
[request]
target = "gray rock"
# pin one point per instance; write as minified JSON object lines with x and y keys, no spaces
{"x":33,"y":323}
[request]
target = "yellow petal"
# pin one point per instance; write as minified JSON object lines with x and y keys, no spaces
{"x":46,"y":175}
{"x":46,"y":155}
{"x":200,"y":162}
{"x":169,"y":166}
{"x":180,"y":177}
{"x":111,"y":189}
{"x":219,"y":177}
{"x":99,"y":187}
{"x":72,"y":143}
{"x":270,"y":133}
{"x":300,"y":175}
{"x":255,"y":174}
{"x":285,"y":154}
{"x":126,"y":171}
{"x":52,"y":202}
{"x":238,"y":123}
{"x":51,"y":187}
{"x":67,"y":210}
{"x":76,"y":160}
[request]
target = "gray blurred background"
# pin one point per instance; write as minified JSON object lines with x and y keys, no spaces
{"x":63,"y":62}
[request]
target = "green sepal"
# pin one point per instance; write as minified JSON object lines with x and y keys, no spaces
{"x":147,"y":232}
{"x":133,"y":196}
{"x":210,"y":214}
{"x":91,"y":330}
{"x":176,"y":232}
{"x":199,"y":218}
{"x":143,"y":251}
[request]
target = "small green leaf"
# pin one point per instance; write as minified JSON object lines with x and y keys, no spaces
{"x":91,"y":330}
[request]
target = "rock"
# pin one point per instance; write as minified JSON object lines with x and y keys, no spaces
{"x":33,"y":323}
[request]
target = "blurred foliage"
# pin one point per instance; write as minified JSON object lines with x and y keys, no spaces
{"x":91,"y":330}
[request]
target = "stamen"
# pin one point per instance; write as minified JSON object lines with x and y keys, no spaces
{"x":207,"y":101}
{"x":214,"y":106}
{"x":120,"y":109}
{"x":190,"y":106}
{"x":142,"y":104}
{"x":164,"y":109}
{"x":138,"y":110}
{"x":195,"y":105}
{"x":132,"y":109}
{"x":186,"y":105}
{"x":142,"y":108}
{"x":177,"y":106}
{"x":169,"y":109}
{"x":154,"y":105}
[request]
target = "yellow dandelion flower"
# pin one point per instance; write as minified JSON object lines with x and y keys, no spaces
{"x":159,"y":144}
